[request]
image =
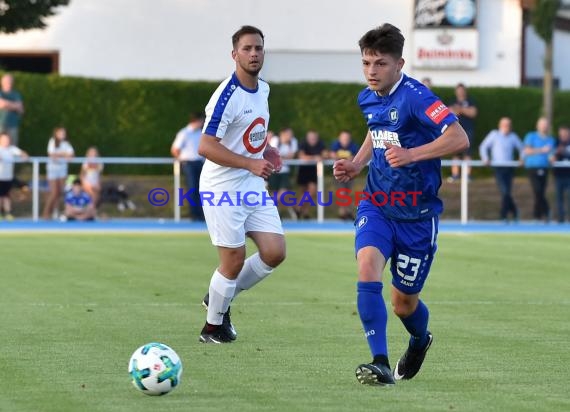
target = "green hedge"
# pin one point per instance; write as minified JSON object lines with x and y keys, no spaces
{"x":141,"y":117}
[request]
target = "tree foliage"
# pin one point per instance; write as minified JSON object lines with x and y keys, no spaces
{"x":543,"y":17}
{"x":26,"y":14}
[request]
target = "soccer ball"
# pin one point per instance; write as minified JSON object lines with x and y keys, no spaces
{"x":155,"y":369}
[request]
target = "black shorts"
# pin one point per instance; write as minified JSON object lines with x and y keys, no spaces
{"x":5,"y":186}
{"x":278,"y":181}
{"x":307,"y":174}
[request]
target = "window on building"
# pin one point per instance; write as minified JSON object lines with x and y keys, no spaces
{"x":33,"y":62}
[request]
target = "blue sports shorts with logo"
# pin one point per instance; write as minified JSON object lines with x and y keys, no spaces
{"x":410,"y":246}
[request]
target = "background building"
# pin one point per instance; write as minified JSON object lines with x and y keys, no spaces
{"x":305,"y":41}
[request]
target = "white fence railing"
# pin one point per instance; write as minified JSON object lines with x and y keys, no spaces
{"x":464,"y":165}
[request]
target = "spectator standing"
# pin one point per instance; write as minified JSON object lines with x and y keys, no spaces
{"x":11,"y":108}
{"x":344,"y":148}
{"x":312,"y":148}
{"x":8,"y":154}
{"x":91,"y":171}
{"x":288,"y":146}
{"x":466,"y":111}
{"x":59,"y":151}
{"x":185,"y":149}
{"x":501,"y":143}
{"x":562,"y":174}
{"x":538,"y":146}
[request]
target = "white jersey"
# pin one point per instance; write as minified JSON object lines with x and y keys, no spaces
{"x":7,"y":157}
{"x":239,"y":117}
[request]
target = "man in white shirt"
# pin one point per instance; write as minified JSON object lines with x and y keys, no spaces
{"x":238,"y":160}
{"x":8,"y":155}
{"x":502,"y":143}
{"x":185,"y":149}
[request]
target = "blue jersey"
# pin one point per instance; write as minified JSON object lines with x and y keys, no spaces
{"x":81,"y":200}
{"x":409,"y":116}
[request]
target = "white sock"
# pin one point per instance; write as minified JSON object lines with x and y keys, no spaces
{"x":221,"y":293}
{"x":254,"y":271}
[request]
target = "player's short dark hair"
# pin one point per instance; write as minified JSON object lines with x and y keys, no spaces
{"x":243,"y":31}
{"x":76,"y":181}
{"x":385,"y":39}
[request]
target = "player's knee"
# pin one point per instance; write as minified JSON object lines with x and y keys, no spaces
{"x":367,"y":272}
{"x":230,"y":269}
{"x":274,"y":257}
{"x":403,"y":307}
{"x":231,"y":262}
{"x":402,"y":311}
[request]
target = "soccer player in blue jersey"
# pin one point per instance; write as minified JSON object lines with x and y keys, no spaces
{"x":409,"y":130}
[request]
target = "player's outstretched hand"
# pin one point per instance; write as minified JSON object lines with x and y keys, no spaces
{"x":397,"y":156}
{"x":261,"y":167}
{"x":272,"y":154}
{"x":344,"y":170}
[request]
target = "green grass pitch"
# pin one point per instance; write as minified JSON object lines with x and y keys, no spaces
{"x":75,"y":306}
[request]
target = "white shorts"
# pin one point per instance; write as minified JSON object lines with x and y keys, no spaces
{"x":229,"y":223}
{"x":58,"y":171}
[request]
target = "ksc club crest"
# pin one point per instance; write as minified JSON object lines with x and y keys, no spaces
{"x":255,"y":137}
{"x":393,"y":115}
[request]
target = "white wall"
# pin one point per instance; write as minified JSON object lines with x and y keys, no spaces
{"x":305,"y":39}
{"x":500,"y":28}
{"x":534,"y":58}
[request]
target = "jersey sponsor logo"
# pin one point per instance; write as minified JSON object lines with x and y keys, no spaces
{"x":381,"y":137}
{"x":393,"y":115}
{"x":437,"y":112}
{"x":255,"y":136}
{"x":363,"y":220}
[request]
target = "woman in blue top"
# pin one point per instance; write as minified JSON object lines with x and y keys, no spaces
{"x":538,"y":146}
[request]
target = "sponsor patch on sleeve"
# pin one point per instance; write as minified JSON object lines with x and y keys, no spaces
{"x":437,"y":112}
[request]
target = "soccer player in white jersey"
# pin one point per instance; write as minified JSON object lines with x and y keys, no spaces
{"x":238,"y":160}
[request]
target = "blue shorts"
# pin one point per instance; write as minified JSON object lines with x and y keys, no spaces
{"x":410,"y":245}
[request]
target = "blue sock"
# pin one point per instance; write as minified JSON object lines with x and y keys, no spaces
{"x":416,"y":324}
{"x":372,"y":311}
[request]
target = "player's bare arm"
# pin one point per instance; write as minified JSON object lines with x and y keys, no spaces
{"x":453,"y":140}
{"x":345,"y":169}
{"x":211,"y":148}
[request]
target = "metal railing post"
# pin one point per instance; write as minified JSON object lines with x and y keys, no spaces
{"x":35,"y":190}
{"x":176,"y":167}
{"x":320,"y":189}
{"x":464,"y":191}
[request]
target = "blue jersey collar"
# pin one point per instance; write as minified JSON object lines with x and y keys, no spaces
{"x":235,"y":79}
